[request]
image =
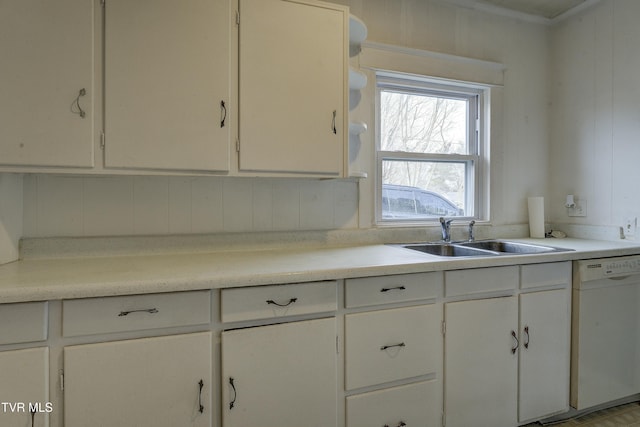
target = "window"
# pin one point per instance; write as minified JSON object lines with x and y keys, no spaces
{"x":429,"y":152}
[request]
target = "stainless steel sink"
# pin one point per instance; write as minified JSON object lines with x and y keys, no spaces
{"x":504,"y":246}
{"x":482,"y":248}
{"x":448,"y":250}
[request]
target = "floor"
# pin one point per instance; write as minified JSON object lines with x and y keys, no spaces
{"x":620,"y":416}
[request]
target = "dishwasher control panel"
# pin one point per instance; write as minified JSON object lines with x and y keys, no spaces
{"x":594,"y":269}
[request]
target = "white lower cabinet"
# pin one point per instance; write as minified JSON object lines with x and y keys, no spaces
{"x":282,"y":375}
{"x":544,"y":354}
{"x":507,"y":358}
{"x":148,"y":382}
{"x":411,"y":405}
{"x":481,"y":363}
{"x":24,"y":388}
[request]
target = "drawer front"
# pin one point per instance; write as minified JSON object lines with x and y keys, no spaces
{"x":549,"y":274}
{"x":134,"y":313}
{"x":417,"y":404}
{"x":23,"y":322}
{"x":479,"y":280}
{"x":267,"y":302}
{"x":368,"y":291}
{"x":388,"y":345}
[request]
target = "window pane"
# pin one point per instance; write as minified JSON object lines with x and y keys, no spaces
{"x":423,"y":189}
{"x":419,"y":123}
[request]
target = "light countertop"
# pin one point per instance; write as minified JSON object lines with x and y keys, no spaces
{"x":84,"y":277}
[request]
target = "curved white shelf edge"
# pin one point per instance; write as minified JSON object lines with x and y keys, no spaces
{"x":356,"y":128}
{"x":357,"y":175}
{"x":357,"y":30}
{"x":357,"y":79}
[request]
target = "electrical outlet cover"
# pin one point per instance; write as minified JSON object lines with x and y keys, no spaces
{"x":630,"y":226}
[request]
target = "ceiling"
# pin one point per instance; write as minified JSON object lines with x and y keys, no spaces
{"x":540,"y":11}
{"x":548,"y":9}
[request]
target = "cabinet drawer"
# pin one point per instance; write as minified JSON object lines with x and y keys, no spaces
{"x":479,"y":280}
{"x":549,"y":274}
{"x":414,"y":405}
{"x":134,"y":313}
{"x":388,"y":345}
{"x":367,"y":291}
{"x":266,"y":302}
{"x":23,"y":322}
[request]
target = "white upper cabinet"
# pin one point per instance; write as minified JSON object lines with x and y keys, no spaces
{"x":46,"y":83}
{"x":167,"y":84}
{"x":293,"y":94}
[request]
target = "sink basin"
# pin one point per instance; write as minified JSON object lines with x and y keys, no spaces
{"x":448,"y":250}
{"x":481,"y":248}
{"x":504,"y":246}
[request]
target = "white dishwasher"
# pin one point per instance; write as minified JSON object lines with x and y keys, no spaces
{"x":605,"y":339}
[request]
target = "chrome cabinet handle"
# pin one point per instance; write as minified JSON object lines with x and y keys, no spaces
{"x":75,"y":106}
{"x":515,"y":337}
{"x":395,"y":288}
{"x":291,"y":301}
{"x":386,"y":347}
{"x":526,"y":331}
{"x":147,"y":310}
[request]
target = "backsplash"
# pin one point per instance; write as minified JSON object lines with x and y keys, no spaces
{"x":56,"y":205}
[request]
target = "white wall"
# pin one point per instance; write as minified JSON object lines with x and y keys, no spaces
{"x":595,"y":133}
{"x":10,"y":216}
{"x":83,"y":206}
{"x":58,"y":205}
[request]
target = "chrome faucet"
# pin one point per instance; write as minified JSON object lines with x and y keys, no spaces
{"x":472,"y":237}
{"x":446,"y":229}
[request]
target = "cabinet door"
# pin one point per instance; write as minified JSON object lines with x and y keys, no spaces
{"x":544,"y":354}
{"x":166,"y":75}
{"x":293,"y":64}
{"x":481,"y":384}
{"x":150,"y":382}
{"x":47,"y":58}
{"x":24,"y":387}
{"x":280,"y":375}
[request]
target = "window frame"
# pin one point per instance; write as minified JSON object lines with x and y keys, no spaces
{"x":476,"y":159}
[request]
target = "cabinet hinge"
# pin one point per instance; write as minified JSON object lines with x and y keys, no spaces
{"x":444,"y":328}
{"x":61,"y":380}
{"x":238,"y":145}
{"x":237,"y":17}
{"x":102,"y":143}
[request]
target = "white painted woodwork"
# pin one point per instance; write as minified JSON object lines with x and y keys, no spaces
{"x":264,"y":302}
{"x":481,"y":280}
{"x":544,"y":353}
{"x":166,"y":74}
{"x":47,"y":58}
{"x":148,"y":382}
{"x":23,"y":322}
{"x":284,"y":375}
{"x":548,"y":274}
{"x":480,"y":368}
{"x":24,"y":378}
{"x":293,"y":68}
{"x":135,"y":312}
{"x":418,"y":404}
{"x":416,"y":328}
{"x":367,"y":291}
